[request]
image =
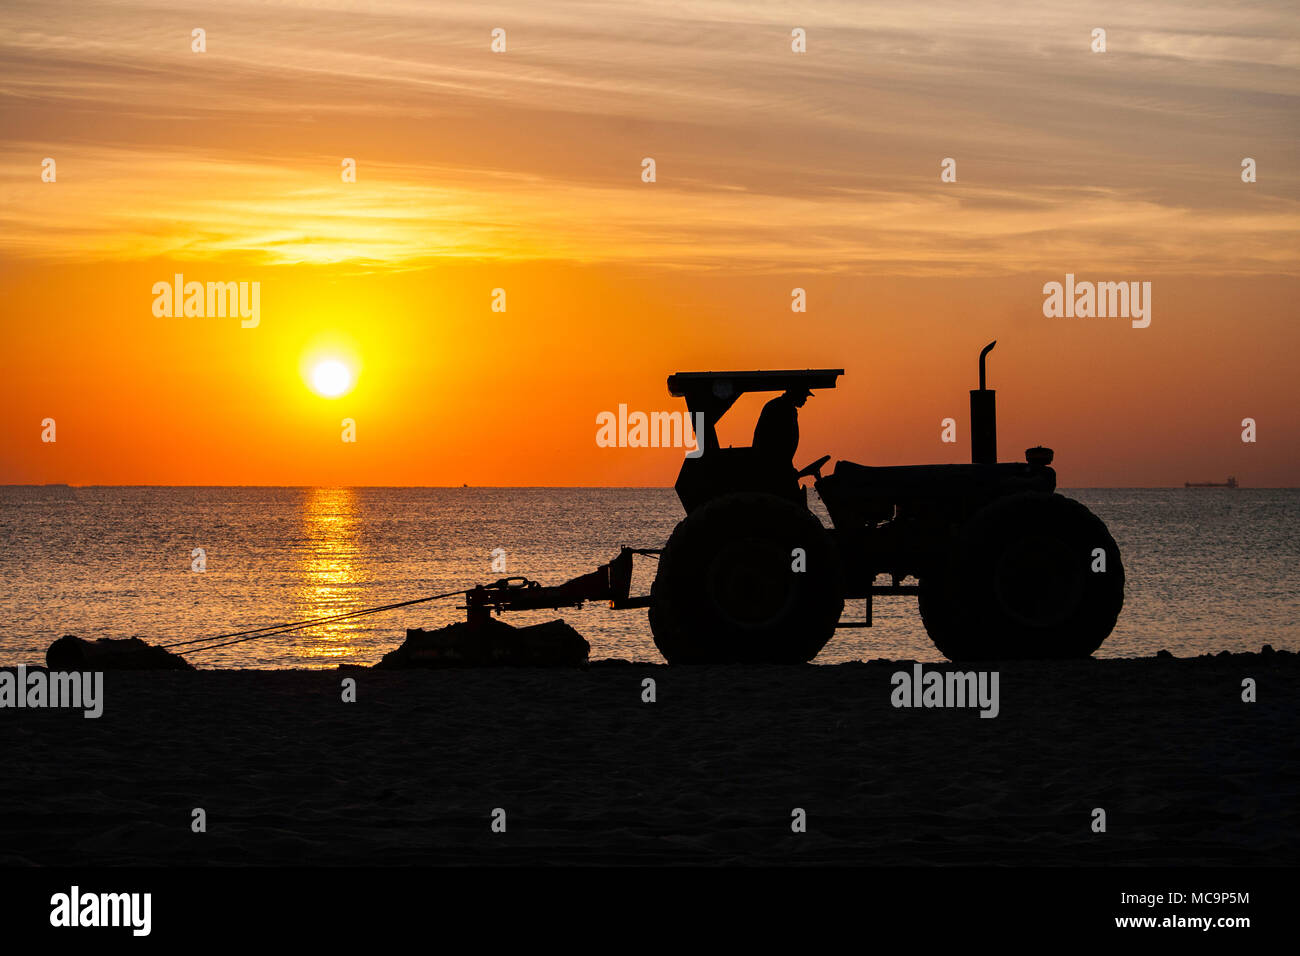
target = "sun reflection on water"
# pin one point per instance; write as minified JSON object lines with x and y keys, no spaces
{"x":331,"y":571}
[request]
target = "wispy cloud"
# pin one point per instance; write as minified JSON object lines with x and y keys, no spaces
{"x":765,"y":157}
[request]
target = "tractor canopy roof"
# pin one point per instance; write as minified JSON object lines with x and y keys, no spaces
{"x":727,"y":384}
{"x":712,"y":393}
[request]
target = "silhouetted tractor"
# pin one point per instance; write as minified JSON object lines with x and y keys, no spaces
{"x":1005,"y":567}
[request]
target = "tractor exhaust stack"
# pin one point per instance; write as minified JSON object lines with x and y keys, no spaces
{"x":984,"y":419}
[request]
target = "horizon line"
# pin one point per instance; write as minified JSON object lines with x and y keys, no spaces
{"x":60,"y":484}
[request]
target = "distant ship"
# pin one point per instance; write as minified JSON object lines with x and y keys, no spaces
{"x":1230,"y":483}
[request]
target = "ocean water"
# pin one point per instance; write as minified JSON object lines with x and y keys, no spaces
{"x":1207,"y":570}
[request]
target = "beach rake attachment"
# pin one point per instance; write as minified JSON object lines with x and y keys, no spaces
{"x":610,"y":582}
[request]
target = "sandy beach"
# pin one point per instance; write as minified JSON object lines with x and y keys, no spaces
{"x":710,"y":772}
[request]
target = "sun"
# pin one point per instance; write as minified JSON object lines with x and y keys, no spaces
{"x":331,"y":378}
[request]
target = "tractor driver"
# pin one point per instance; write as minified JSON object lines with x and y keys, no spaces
{"x":776,"y":436}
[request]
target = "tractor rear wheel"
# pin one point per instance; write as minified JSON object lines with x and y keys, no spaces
{"x":731,"y":586}
{"x":1028,"y":576}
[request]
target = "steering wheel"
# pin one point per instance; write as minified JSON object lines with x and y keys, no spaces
{"x":815,"y":469}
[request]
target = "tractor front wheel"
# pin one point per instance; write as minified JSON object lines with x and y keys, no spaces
{"x":1029,"y":576}
{"x":746,"y":578}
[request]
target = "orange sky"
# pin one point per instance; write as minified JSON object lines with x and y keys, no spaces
{"x":522,"y":171}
